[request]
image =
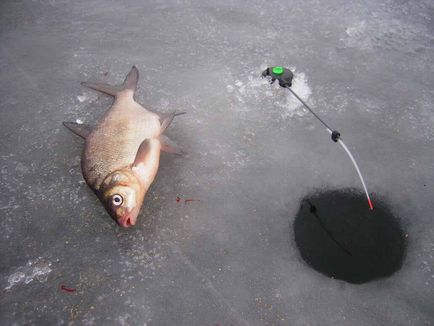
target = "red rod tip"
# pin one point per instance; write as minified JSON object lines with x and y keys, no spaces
{"x":370,"y":205}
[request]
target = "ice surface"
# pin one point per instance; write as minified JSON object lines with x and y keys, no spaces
{"x":252,"y":153}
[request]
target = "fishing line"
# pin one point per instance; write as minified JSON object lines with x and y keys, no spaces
{"x":314,"y":212}
{"x":285,"y":76}
{"x":308,"y":107}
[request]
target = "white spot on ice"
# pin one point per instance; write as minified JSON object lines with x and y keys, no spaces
{"x":357,"y":37}
{"x":81,"y":98}
{"x":302,"y":89}
{"x":123,"y":320}
{"x":15,"y":278}
{"x":256,"y":92}
{"x":38,"y":268}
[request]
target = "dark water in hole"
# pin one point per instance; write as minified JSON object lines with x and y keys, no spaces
{"x":339,"y":236}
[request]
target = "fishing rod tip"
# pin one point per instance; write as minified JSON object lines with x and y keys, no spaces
{"x":370,"y":205}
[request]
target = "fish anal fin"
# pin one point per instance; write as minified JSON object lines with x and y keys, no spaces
{"x":80,"y":129}
{"x":169,"y":146}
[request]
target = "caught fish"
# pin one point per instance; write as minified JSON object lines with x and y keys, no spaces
{"x":122,"y":152}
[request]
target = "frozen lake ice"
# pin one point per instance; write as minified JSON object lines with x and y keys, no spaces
{"x":253,"y":154}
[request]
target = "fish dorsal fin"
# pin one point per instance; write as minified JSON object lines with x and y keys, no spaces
{"x":80,"y":129}
{"x":130,"y":84}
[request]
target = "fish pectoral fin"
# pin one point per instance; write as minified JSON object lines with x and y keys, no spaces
{"x":130,"y":83}
{"x":80,"y":129}
{"x":169,"y":146}
{"x":104,"y":88}
{"x":143,"y":152}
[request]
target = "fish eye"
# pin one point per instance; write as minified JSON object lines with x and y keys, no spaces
{"x":117,"y":200}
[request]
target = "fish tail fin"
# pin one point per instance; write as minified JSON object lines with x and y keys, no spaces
{"x":129,"y":84}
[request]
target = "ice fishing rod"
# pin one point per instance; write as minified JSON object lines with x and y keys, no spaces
{"x":285,"y":76}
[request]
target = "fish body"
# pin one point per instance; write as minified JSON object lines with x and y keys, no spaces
{"x":114,"y":142}
{"x":121,"y":155}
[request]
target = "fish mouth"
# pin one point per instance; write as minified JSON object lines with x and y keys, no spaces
{"x":128,"y":220}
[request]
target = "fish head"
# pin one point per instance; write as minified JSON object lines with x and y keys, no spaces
{"x":122,"y":195}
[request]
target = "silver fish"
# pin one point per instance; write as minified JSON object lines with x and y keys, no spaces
{"x":122,"y":152}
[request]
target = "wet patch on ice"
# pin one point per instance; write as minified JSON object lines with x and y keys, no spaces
{"x":255,"y":92}
{"x":38,"y":269}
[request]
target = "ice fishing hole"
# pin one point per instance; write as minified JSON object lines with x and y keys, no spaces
{"x":337,"y":235}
